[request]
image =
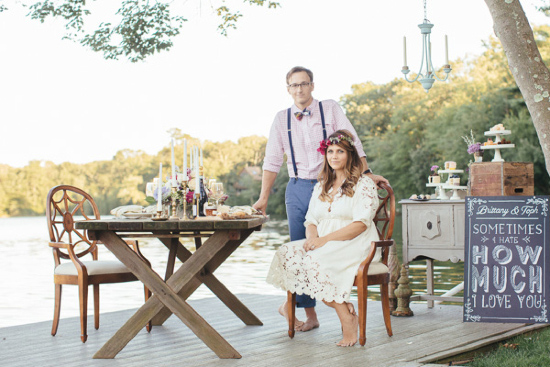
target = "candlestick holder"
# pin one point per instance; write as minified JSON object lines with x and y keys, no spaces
{"x":174,"y":216}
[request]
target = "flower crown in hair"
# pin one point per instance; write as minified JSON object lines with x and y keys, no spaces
{"x":323,"y":145}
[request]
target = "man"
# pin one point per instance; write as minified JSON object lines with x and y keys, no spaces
{"x":297,"y":133}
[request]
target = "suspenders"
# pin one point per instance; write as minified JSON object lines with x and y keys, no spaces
{"x":290,"y":136}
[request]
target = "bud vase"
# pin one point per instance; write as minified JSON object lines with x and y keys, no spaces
{"x":478,"y":156}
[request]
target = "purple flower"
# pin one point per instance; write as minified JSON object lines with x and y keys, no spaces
{"x":473,"y":148}
{"x":165,"y":193}
{"x":434,"y":167}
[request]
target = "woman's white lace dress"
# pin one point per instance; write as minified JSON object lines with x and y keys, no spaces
{"x":327,"y":273}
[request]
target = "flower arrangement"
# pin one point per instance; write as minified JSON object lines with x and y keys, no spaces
{"x":473,"y":147}
{"x":433,"y":169}
{"x":323,"y":144}
{"x":183,"y":189}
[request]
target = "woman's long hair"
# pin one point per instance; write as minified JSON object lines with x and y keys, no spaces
{"x":352,"y":169}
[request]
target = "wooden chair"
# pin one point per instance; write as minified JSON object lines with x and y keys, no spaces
{"x":65,"y":206}
{"x":369,"y":273}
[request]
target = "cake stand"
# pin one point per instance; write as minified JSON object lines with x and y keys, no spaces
{"x":455,"y":189}
{"x":445,"y":186}
{"x":497,"y":147}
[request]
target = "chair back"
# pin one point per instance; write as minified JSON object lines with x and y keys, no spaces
{"x":65,"y":206}
{"x":385,"y":217}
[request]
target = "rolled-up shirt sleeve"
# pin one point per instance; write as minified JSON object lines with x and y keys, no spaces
{"x":274,"y":150}
{"x":365,"y":201}
{"x":343,"y":123}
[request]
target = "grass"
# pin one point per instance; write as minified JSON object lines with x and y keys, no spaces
{"x":527,"y":350}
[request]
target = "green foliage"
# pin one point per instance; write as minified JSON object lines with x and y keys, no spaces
{"x":140,"y":28}
{"x":122,"y":180}
{"x":405,"y":131}
{"x":522,"y":351}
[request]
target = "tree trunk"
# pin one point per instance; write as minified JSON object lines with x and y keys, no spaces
{"x":532,"y":76}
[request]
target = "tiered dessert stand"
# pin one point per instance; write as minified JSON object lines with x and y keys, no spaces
{"x":497,"y":147}
{"x":441,"y":187}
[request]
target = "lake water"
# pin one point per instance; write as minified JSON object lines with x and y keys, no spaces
{"x":27,"y":287}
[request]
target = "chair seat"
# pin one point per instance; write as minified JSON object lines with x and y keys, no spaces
{"x":376,"y":268}
{"x":93,"y":268}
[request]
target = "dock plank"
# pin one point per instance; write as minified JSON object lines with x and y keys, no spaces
{"x":430,"y":335}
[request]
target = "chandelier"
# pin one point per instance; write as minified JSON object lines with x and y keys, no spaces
{"x":428,"y":76}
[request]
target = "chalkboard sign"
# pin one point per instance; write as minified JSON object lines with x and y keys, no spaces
{"x":506,"y":266}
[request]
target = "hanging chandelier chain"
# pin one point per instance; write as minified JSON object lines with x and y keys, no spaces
{"x":425,"y":13}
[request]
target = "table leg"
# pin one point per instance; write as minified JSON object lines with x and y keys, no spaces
{"x":173,"y":247}
{"x":210,"y":280}
{"x":430,"y":281}
{"x":166,"y":293}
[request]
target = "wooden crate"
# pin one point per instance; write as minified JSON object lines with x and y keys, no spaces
{"x":501,"y":179}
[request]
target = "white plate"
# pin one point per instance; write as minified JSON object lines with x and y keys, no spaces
{"x":137,"y":215}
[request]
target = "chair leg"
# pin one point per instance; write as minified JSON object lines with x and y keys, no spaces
{"x":83,"y":299}
{"x":291,"y":311}
{"x":149,"y":325}
{"x":362,"y":293}
{"x":96,"y":306}
{"x":56,"y":309}
{"x":384,"y":293}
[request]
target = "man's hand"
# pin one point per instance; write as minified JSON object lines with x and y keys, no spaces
{"x":261,"y":206}
{"x":377,"y":179}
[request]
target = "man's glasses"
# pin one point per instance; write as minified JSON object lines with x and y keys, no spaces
{"x":296,"y":86}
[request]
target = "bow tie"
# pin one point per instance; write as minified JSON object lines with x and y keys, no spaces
{"x":301,"y":114}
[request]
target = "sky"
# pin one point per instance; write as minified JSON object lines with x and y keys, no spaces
{"x":62,"y":102}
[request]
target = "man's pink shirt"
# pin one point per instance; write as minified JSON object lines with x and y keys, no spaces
{"x":306,"y":136}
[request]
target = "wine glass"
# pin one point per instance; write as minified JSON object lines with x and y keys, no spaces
{"x":217,"y":190}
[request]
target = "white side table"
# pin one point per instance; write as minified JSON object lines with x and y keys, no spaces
{"x":433,"y":230}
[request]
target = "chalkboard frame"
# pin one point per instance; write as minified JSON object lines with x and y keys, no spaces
{"x":494,"y":246}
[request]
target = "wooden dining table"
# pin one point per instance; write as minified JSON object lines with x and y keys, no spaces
{"x":170,"y":293}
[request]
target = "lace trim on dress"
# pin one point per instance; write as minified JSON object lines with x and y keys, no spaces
{"x":294,"y":270}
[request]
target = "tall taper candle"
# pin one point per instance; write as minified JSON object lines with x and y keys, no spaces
{"x":184,"y":159}
{"x":197,"y":179}
{"x":159,"y":191}
{"x":191,"y":167}
{"x":404,"y":51}
{"x":174,"y":184}
{"x":446,"y":51}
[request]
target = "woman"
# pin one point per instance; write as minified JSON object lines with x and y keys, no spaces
{"x":339,"y":230}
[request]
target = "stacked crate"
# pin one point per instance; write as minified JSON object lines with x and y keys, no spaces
{"x":501,"y":179}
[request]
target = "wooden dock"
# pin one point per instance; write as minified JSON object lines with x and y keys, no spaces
{"x":430,"y":335}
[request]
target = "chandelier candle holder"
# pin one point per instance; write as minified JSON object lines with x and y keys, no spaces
{"x":428,"y":76}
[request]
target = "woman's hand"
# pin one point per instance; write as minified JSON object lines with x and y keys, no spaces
{"x":314,"y":243}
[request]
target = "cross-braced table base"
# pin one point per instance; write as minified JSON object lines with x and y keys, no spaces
{"x":169,"y":296}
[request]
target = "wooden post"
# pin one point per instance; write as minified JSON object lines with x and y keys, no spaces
{"x":403,"y":294}
{"x":393,"y":265}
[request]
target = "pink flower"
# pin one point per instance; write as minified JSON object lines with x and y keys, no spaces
{"x":189,"y":197}
{"x":323,"y":145}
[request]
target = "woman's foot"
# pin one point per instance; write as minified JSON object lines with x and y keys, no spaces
{"x":283,"y":311}
{"x":350,"y":325}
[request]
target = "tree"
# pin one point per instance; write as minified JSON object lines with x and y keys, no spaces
{"x":526,"y":64}
{"x":139,"y":28}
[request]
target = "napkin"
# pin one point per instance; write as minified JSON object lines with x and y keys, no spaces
{"x":119,"y":211}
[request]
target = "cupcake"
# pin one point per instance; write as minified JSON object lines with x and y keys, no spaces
{"x":450,"y":165}
{"x":433,"y":179}
{"x":454,"y":180}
